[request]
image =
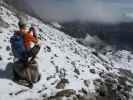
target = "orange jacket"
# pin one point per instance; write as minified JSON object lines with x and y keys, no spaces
{"x":28,"y":38}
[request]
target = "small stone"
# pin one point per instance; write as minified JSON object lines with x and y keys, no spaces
{"x":92,"y":71}
{"x":0,"y":58}
{"x":11,"y":94}
{"x":62,"y":83}
{"x":52,"y":62}
{"x":87,"y":83}
{"x":55,"y":55}
{"x":10,"y":84}
{"x":48,"y":49}
{"x":88,"y":66}
{"x":9,"y":58}
{"x":67,"y":57}
{"x":50,"y":77}
{"x":84,"y":91}
{"x":44,"y":95}
{"x":10,"y":54}
{"x":52,"y":58}
{"x":76,"y":71}
{"x":57,"y":69}
{"x":8,"y":48}
{"x":5,"y":40}
{"x":95,"y":53}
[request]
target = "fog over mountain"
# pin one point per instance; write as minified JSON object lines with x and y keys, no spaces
{"x":83,"y":10}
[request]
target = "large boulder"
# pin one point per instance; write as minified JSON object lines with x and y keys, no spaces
{"x":28,"y":71}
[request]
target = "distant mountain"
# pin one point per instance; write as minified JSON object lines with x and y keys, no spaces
{"x":116,"y":34}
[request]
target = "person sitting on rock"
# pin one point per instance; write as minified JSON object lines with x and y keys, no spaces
{"x":25,"y":68}
{"x":21,"y":43}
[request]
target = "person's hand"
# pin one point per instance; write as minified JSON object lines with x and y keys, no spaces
{"x":38,"y":43}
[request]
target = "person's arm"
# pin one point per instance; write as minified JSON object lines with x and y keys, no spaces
{"x":33,"y":39}
{"x":32,"y":29}
{"x":34,"y":34}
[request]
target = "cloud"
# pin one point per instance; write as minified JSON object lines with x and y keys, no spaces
{"x":70,"y":10}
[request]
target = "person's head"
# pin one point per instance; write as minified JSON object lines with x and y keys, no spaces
{"x":22,"y":26}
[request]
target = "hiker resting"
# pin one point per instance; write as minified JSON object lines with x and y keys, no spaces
{"x":21,"y":43}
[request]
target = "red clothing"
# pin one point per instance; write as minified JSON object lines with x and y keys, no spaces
{"x":28,"y":38}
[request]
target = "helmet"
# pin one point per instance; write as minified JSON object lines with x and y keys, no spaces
{"x":21,"y":23}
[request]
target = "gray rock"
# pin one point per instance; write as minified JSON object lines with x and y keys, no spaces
{"x":8,"y":48}
{"x":87,"y":97}
{"x":27,"y":71}
{"x":3,"y":23}
{"x":0,"y":58}
{"x":92,"y":71}
{"x":87,"y":83}
{"x":77,"y":71}
{"x":61,"y":84}
{"x":66,"y":93}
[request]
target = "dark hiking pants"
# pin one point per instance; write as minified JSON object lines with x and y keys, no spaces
{"x":31,"y":52}
{"x":34,"y":51}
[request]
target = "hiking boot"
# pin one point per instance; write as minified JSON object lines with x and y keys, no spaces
{"x":25,"y":83}
{"x":15,"y":76}
{"x":32,"y":58}
{"x":30,"y":85}
{"x":38,"y":79}
{"x":15,"y":59}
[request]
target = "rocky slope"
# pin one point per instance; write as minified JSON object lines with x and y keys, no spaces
{"x":70,"y":71}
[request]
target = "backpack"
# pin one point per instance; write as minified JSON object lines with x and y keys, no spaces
{"x":17,"y":44}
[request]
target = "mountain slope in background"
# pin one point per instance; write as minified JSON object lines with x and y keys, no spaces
{"x":117,"y":34}
{"x":69,"y":70}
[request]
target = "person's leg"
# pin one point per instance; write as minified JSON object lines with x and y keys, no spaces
{"x":34,"y":51}
{"x":24,"y":58}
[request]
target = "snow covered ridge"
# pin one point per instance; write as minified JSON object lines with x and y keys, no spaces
{"x":69,"y":70}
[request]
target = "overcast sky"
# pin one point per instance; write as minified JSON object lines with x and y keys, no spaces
{"x":118,"y":1}
{"x":90,"y":10}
